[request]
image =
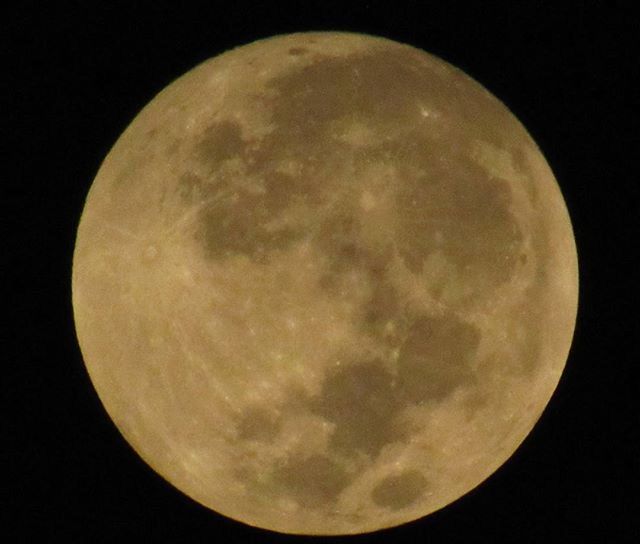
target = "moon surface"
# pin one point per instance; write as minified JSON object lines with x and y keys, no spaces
{"x":325,"y":283}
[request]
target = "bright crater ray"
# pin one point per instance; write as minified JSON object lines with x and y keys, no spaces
{"x":325,"y":283}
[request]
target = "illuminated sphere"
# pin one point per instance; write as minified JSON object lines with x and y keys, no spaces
{"x":325,"y":283}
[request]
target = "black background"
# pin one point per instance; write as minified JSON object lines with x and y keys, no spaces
{"x":76,"y":73}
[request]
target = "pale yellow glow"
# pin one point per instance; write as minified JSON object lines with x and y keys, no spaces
{"x":325,"y":283}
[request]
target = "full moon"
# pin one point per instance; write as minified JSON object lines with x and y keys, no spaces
{"x":325,"y":283}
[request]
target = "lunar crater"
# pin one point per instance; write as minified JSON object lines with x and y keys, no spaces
{"x":360,"y":400}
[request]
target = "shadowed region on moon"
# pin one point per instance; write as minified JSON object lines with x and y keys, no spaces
{"x":399,"y":491}
{"x":435,"y":358}
{"x":312,"y":481}
{"x":295,"y":51}
{"x":221,"y":141}
{"x":454,"y":207}
{"x":339,"y":240}
{"x":361,"y":401}
{"x":258,"y":424}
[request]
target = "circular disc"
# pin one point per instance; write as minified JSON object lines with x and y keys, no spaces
{"x":325,"y":283}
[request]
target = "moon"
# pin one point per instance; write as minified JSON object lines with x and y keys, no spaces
{"x":325,"y":283}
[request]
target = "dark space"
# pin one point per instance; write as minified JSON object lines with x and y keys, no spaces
{"x":76,"y":73}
